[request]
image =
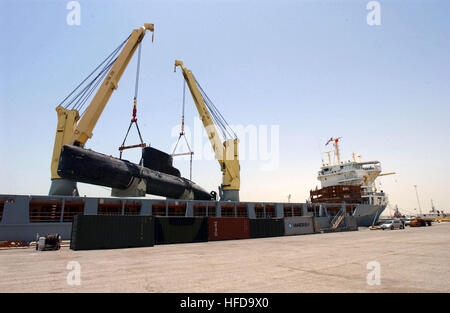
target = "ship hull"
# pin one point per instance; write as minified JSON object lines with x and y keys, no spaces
{"x":367,"y":215}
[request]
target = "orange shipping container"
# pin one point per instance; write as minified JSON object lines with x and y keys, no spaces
{"x":226,"y":228}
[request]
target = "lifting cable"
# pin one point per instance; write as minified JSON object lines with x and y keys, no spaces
{"x":182,"y":134}
{"x":217,"y":117}
{"x":76,"y":100}
{"x":134,"y":118}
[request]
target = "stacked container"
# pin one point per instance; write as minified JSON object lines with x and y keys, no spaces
{"x":180,"y":229}
{"x":226,"y":228}
{"x":298,"y":225}
{"x":110,"y":232}
{"x":266,"y":227}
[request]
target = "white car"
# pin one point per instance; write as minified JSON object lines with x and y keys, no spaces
{"x":393,"y":225}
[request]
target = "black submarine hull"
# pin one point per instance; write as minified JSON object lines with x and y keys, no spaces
{"x":87,"y":166}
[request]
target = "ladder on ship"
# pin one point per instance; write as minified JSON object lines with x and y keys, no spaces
{"x":337,"y":219}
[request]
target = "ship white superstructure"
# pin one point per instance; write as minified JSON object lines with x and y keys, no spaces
{"x":351,"y":182}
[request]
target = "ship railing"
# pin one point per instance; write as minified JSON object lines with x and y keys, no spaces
{"x":53,"y":217}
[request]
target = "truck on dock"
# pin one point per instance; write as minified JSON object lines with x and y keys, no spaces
{"x":420,"y":221}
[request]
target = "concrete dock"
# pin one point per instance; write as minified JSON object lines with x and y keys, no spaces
{"x":410,"y":260}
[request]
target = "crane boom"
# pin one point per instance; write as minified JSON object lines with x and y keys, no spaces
{"x":226,"y":153}
{"x":69,"y":132}
{"x":205,"y":116}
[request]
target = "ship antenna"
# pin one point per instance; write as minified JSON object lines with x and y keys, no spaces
{"x":336,"y":146}
{"x":329,"y":157}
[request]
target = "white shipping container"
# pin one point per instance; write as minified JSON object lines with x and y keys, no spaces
{"x":298,"y":225}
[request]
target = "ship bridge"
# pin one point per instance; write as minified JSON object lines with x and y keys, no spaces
{"x":350,"y":173}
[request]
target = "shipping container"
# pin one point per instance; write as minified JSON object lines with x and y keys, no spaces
{"x":298,"y":225}
{"x":111,"y":232}
{"x":225,"y":228}
{"x":180,"y":229}
{"x":266,"y":227}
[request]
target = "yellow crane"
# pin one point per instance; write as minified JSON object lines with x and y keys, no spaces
{"x":73,"y":130}
{"x":226,"y":153}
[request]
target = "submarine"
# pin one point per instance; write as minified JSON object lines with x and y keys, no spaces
{"x":156,"y":175}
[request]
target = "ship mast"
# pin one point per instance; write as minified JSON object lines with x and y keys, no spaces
{"x":329,"y":157}
{"x":336,"y":148}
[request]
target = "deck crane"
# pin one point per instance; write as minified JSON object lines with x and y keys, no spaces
{"x":76,"y":129}
{"x":226,"y":153}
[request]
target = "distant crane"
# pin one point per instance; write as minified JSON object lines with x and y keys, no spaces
{"x":417,"y":195}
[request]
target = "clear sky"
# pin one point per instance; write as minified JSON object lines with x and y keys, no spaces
{"x":315,"y":69}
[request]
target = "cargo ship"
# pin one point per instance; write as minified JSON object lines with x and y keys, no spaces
{"x":24,"y":216}
{"x":351,"y":182}
{"x":348,"y":190}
